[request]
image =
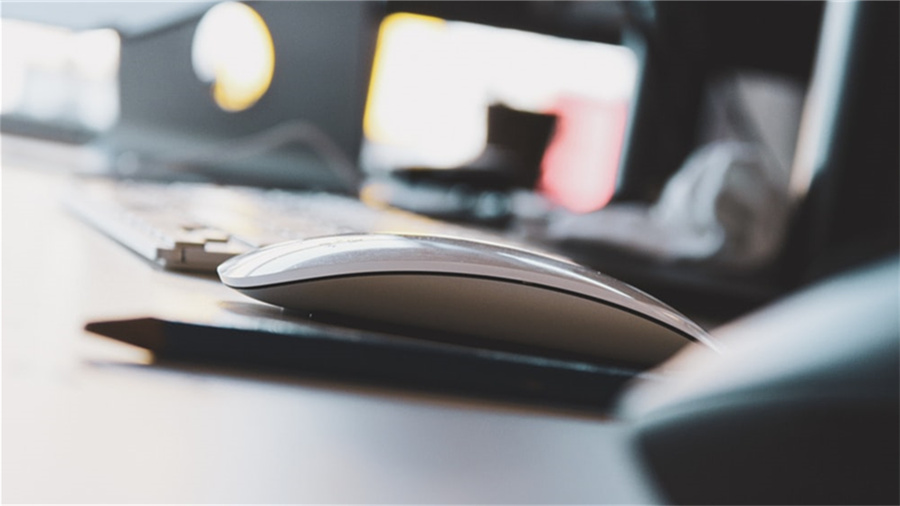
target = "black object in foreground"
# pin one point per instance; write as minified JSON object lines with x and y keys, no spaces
{"x":316,"y":349}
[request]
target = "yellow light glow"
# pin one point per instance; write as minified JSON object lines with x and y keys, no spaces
{"x":233,"y":50}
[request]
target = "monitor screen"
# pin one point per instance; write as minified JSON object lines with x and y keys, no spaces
{"x":434,"y":81}
{"x":264,"y":92}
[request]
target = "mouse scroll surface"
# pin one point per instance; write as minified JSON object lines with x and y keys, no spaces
{"x":460,"y":287}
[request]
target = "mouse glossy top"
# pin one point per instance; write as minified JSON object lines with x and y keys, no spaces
{"x":465,"y":287}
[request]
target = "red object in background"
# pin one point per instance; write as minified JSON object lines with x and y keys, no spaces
{"x":580,"y":166}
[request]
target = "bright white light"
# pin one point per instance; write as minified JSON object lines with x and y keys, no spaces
{"x":233,"y":51}
{"x":418,"y":99}
{"x":531,"y":71}
{"x":57,"y":75}
{"x":433,"y":81}
{"x":95,"y":54}
{"x":30,"y":48}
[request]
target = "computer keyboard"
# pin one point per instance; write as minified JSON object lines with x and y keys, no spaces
{"x":197,"y":226}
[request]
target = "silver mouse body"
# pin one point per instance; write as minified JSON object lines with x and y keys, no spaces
{"x":466,"y":288}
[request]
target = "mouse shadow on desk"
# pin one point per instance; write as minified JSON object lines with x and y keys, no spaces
{"x":413,"y":336}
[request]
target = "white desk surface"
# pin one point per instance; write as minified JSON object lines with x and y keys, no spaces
{"x":91,"y":420}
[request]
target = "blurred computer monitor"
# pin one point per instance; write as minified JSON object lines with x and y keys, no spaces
{"x":289,"y":112}
{"x":438,"y":86}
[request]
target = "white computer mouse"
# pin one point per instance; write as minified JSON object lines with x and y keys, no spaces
{"x":451,"y":286}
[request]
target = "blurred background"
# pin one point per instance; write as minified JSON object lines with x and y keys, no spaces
{"x":715,"y":154}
